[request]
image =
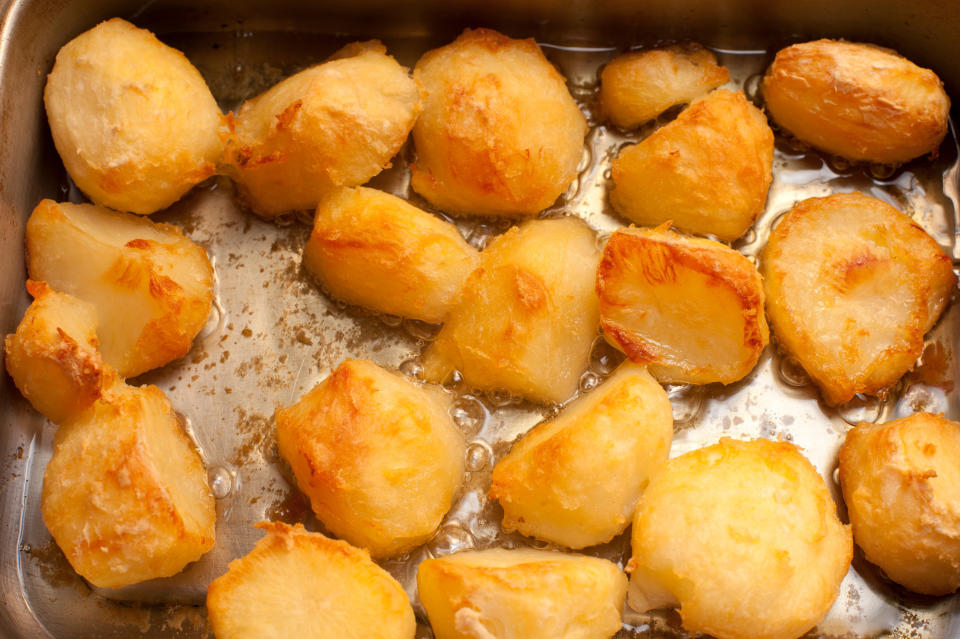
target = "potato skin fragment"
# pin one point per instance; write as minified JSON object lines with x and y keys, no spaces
{"x":858,"y":101}
{"x":852,"y":286}
{"x":374,"y":249}
{"x":296,"y":583}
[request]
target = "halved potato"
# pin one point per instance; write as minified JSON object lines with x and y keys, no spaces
{"x":690,"y":308}
{"x":637,"y":86}
{"x":379,"y":458}
{"x":708,"y":171}
{"x":576,"y":479}
{"x":859,"y":101}
{"x":334,"y":124}
{"x":296,"y":583}
{"x":125,"y":494}
{"x":500,"y":134}
{"x":521,"y":594}
{"x":132,"y":119}
{"x":527,"y":317}
{"x":852,"y":286}
{"x":151,"y":286}
{"x":373,"y":249}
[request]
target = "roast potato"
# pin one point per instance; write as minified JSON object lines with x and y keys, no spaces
{"x":852,"y":285}
{"x":744,"y":537}
{"x":690,"y":308}
{"x":151,"y":286}
{"x":708,"y":171}
{"x":132,"y":119}
{"x":500,"y":134}
{"x":576,"y":479}
{"x":379,"y":458}
{"x":373,"y":249}
{"x":858,"y":101}
{"x":296,"y":583}
{"x":521,"y":594}
{"x":527,"y":317}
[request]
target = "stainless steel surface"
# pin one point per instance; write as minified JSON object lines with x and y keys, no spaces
{"x":273,"y":334}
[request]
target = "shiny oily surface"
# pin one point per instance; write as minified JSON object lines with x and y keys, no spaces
{"x":273,"y":335}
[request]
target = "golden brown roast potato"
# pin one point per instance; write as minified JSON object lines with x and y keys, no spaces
{"x":901,"y":483}
{"x":576,"y":479}
{"x":521,"y":594}
{"x":379,"y":457}
{"x":374,"y":249}
{"x":132,"y":119}
{"x":500,"y":134}
{"x":125,"y":494}
{"x":296,"y":583}
{"x":690,"y":308}
{"x":151,"y":286}
{"x":333,"y":124}
{"x":708,"y":171}
{"x":852,"y":286}
{"x":527,"y":317}
{"x":744,"y":537}
{"x":637,"y":86}
{"x":859,"y":101}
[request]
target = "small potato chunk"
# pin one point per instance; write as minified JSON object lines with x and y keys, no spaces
{"x":637,"y":86}
{"x":852,"y":285}
{"x":521,"y":594}
{"x":858,"y":101}
{"x":690,"y":308}
{"x":296,"y":583}
{"x":132,"y":119}
{"x":744,"y":537}
{"x":125,"y":494}
{"x":707,"y":172}
{"x":575,"y":480}
{"x":901,"y":483}
{"x":379,"y":458}
{"x":53,"y":357}
{"x":151,"y":286}
{"x":334,"y":124}
{"x":500,"y":134}
{"x":527,"y":317}
{"x":373,"y":249}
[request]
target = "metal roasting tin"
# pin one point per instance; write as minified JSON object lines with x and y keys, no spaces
{"x":273,"y":334}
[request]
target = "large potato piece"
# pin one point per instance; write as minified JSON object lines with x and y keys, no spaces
{"x":744,"y":537}
{"x":708,"y":171}
{"x":125,"y":494}
{"x":521,"y":594}
{"x":379,"y":458}
{"x":151,"y":286}
{"x":690,"y":308}
{"x":132,"y":119}
{"x":637,"y":86}
{"x":373,"y":249}
{"x":858,"y":101}
{"x":296,"y":583}
{"x":901,"y":483}
{"x":852,"y":286}
{"x":334,"y":124}
{"x":575,"y":480}
{"x":500,"y":134}
{"x":527,"y":317}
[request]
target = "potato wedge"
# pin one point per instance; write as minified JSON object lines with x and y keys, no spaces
{"x":575,"y":480}
{"x":852,"y":285}
{"x":374,"y":249}
{"x":690,"y":308}
{"x":527,"y":317}
{"x":296,"y":583}
{"x":151,"y":286}
{"x":521,"y":594}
